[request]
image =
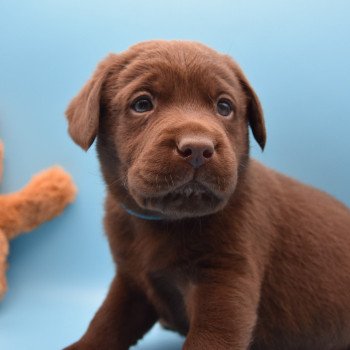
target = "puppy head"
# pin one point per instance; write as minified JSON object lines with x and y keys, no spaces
{"x":171,"y":120}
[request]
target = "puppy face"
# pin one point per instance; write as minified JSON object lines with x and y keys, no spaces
{"x":171,"y":119}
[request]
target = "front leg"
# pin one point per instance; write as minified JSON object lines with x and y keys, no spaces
{"x":222,"y":312}
{"x":124,"y":317}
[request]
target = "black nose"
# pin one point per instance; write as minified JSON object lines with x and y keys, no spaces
{"x":195,"y":150}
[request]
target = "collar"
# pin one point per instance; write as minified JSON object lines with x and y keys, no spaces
{"x":141,"y":216}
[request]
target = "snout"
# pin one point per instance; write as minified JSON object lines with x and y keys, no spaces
{"x":195,"y":150}
{"x":184,"y":169}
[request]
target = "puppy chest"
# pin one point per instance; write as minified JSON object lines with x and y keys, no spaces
{"x":167,"y":293}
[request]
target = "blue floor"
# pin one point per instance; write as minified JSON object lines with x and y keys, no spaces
{"x":296,"y":54}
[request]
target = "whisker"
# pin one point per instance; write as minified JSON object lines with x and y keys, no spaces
{"x":172,"y":181}
{"x":166,"y":180}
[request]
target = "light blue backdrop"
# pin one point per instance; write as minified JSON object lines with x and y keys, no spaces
{"x":296,"y":54}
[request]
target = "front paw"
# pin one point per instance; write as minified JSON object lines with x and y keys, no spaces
{"x":80,"y":346}
{"x":84,"y":345}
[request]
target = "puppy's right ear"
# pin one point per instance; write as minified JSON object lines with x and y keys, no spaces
{"x":83,"y":112}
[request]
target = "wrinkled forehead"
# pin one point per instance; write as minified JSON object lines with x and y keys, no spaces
{"x":177,"y":71}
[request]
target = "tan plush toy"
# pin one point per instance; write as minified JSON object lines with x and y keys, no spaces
{"x":47,"y":194}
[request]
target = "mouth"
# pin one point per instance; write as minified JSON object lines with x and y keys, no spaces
{"x":190,"y":189}
{"x":192,"y":199}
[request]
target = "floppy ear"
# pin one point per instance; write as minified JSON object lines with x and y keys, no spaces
{"x":83,"y":112}
{"x":254,"y":110}
{"x":255,"y":113}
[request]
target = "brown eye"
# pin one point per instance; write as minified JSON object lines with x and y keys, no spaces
{"x":142,"y":104}
{"x":224,"y":107}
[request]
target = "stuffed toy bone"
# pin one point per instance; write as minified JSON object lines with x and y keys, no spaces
{"x":45,"y":197}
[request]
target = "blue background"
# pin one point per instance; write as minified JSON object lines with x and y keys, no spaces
{"x":296,"y":53}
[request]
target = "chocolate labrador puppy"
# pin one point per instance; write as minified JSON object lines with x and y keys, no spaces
{"x":207,"y":241}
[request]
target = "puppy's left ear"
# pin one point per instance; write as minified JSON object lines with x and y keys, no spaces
{"x":255,"y":113}
{"x":254,"y":110}
{"x":83,"y":112}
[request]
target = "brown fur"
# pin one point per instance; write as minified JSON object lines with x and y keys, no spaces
{"x":45,"y":197}
{"x":259,"y":261}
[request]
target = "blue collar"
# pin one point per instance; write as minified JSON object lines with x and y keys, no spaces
{"x":141,"y":216}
